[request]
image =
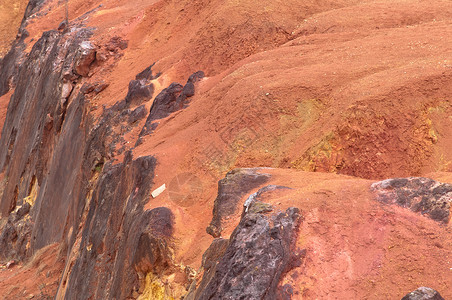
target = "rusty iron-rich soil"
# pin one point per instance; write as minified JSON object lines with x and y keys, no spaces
{"x":327,"y":96}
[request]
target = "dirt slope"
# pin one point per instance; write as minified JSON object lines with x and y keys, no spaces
{"x":358,"y":88}
{"x":11,"y":14}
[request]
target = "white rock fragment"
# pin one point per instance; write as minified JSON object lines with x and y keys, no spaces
{"x":158,"y":191}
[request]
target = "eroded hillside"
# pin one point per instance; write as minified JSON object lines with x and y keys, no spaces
{"x":310,"y":103}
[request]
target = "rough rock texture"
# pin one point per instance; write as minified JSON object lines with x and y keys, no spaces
{"x":261,"y":250}
{"x":210,"y":259}
{"x":173,"y":98}
{"x":422,"y":195}
{"x":231,"y":189}
{"x":291,"y":84}
{"x":50,"y":142}
{"x":118,"y":236}
{"x":423,"y":293}
{"x":15,"y":234}
{"x":62,"y":184}
{"x":9,"y":66}
{"x":153,"y":253}
{"x":86,"y":54}
{"x":140,"y":89}
{"x":139,"y":92}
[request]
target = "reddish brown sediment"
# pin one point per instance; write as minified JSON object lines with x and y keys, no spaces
{"x":331,"y":96}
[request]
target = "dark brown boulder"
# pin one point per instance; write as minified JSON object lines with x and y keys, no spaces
{"x":141,"y":89}
{"x":152,"y":252}
{"x":260,"y":251}
{"x":423,"y":293}
{"x":85,"y":56}
{"x":139,"y":92}
{"x":173,"y":98}
{"x":422,"y":195}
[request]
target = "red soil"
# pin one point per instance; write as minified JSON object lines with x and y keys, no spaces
{"x":360,"y":88}
{"x":11,"y":14}
{"x":38,"y":279}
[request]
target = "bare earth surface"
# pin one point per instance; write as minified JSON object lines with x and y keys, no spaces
{"x":332,"y":96}
{"x":11,"y":14}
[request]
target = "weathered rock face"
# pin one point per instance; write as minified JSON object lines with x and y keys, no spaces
{"x":261,"y":250}
{"x":44,"y":138}
{"x":423,"y":293}
{"x":85,"y":56}
{"x":173,"y":98}
{"x":422,"y":195}
{"x":61,"y":183}
{"x":15,"y":234}
{"x":61,"y":180}
{"x":231,"y":189}
{"x":118,"y":236}
{"x":140,"y":89}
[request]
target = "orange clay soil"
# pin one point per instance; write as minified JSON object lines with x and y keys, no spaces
{"x":38,"y":279}
{"x":11,"y":14}
{"x":360,"y":88}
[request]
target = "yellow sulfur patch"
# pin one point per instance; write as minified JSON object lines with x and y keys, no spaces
{"x":154,"y":289}
{"x":33,"y":192}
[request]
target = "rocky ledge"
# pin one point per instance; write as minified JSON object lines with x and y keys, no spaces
{"x":422,"y":195}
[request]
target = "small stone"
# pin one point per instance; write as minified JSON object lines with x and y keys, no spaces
{"x":63,"y":25}
{"x":10,"y":264}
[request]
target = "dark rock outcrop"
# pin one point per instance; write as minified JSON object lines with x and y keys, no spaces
{"x":260,"y":251}
{"x":62,"y":183}
{"x":422,"y":195}
{"x":9,"y":66}
{"x":140,"y":89}
{"x":231,"y":189}
{"x":118,"y":236}
{"x":166,"y":102}
{"x":153,"y":251}
{"x":86,"y":54}
{"x":41,"y":150}
{"x":15,"y":234}
{"x":210,"y":259}
{"x":173,"y":98}
{"x":139,"y":92}
{"x":423,"y":293}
